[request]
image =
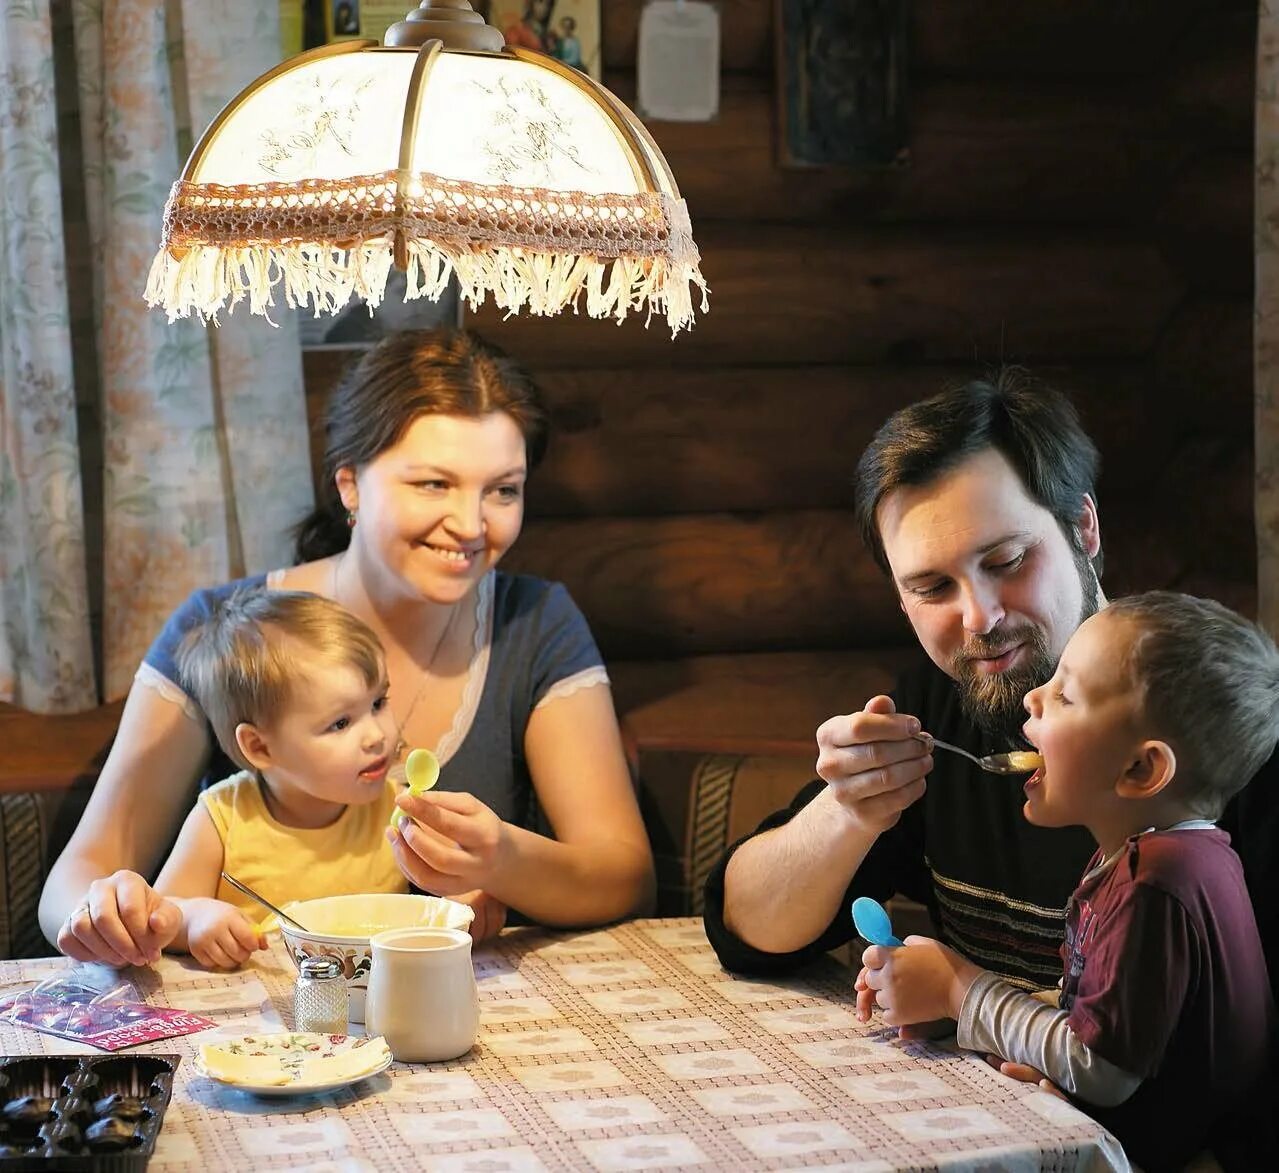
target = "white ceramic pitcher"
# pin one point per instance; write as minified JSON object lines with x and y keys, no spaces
{"x":422,"y":997}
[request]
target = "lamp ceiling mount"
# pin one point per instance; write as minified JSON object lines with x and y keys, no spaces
{"x":453,"y":22}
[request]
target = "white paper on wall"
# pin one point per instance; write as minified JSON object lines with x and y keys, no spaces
{"x":677,"y":61}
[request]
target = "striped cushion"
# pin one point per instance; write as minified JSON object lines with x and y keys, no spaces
{"x":696,"y":804}
{"x":34,"y":827}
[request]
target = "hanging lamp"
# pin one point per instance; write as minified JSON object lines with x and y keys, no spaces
{"x":439,"y":151}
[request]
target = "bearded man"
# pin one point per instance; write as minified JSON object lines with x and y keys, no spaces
{"x":980,"y":505}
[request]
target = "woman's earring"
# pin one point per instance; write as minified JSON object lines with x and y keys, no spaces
{"x":350,"y":519}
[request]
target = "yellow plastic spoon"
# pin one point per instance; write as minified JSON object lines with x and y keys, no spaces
{"x":421,"y":771}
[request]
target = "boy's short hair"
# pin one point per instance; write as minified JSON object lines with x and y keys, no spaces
{"x":1209,"y":683}
{"x":244,"y":662}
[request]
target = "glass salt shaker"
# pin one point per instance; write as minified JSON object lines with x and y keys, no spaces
{"x":320,"y":997}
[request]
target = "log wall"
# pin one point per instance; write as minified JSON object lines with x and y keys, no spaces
{"x":1078,"y":199}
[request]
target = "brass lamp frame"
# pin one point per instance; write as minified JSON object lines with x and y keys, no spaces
{"x":654,"y":265}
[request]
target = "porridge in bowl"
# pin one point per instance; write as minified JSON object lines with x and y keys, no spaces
{"x":340,"y":927}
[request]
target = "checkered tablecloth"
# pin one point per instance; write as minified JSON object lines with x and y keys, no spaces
{"x":622,"y":1048}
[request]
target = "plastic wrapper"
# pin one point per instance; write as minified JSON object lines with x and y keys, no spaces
{"x":91,"y":1004}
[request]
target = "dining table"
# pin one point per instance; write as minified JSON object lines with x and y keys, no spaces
{"x":619,"y":1048}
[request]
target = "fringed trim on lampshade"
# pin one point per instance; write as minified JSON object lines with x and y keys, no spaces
{"x":529,"y":248}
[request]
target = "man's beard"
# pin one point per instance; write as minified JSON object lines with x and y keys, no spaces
{"x":993,"y":701}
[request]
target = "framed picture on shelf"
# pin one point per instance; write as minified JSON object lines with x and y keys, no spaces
{"x":343,"y":19}
{"x":567,"y":29}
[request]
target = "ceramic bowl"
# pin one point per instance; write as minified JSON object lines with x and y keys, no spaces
{"x":340,"y":927}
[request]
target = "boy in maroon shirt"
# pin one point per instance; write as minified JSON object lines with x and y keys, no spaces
{"x":1161,"y":708}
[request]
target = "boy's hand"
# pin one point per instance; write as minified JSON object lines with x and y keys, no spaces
{"x":1024,"y":1073}
{"x":219,"y":935}
{"x":920,"y":981}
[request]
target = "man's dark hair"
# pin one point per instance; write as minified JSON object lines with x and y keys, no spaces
{"x":1034,"y":427}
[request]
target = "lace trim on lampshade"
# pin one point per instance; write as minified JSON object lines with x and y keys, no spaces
{"x":586,"y":678}
{"x":150,"y":678}
{"x":326,"y":239}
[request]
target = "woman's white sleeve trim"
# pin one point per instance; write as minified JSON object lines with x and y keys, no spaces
{"x":587,"y":678}
{"x":150,"y":678}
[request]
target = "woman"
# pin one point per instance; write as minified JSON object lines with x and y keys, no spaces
{"x":429,"y":441}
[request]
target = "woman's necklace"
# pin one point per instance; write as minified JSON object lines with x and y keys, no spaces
{"x":403,"y":723}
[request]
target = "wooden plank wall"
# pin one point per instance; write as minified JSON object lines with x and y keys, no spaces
{"x":1078,"y":199}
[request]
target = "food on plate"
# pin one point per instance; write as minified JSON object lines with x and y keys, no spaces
{"x":232,"y":1067}
{"x":295,"y":1059}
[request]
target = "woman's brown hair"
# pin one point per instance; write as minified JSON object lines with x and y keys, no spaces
{"x":410,"y":374}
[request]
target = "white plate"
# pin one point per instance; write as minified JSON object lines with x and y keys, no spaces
{"x":292,"y":1048}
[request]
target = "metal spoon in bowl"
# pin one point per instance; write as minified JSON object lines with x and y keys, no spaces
{"x":252,"y":895}
{"x":1019,"y":761}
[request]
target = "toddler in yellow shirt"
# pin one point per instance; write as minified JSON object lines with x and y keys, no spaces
{"x":295,"y":689}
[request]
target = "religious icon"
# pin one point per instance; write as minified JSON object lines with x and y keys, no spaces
{"x":346,"y":18}
{"x":568,"y":30}
{"x":841,"y":82}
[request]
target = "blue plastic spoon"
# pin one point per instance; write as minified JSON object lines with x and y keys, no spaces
{"x":872,"y":922}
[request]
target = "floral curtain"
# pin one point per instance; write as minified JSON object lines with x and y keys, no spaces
{"x":1266,"y":325}
{"x":204,"y":451}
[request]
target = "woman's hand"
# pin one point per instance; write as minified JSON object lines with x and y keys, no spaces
{"x":490,"y":914}
{"x":453,"y":844}
{"x":121,"y":921}
{"x":219,"y":935}
{"x":920,"y":981}
{"x":146,"y":787}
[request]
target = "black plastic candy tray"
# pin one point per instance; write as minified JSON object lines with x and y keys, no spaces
{"x":77,"y":1112}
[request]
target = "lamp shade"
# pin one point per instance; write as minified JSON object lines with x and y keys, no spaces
{"x":523,"y":177}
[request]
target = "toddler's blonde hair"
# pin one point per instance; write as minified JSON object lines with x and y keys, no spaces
{"x":248,"y":659}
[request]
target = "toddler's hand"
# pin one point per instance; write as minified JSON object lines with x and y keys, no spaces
{"x":219,"y":935}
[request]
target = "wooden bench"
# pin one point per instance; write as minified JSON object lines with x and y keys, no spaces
{"x":48,"y":766}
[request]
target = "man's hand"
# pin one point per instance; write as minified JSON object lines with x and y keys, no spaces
{"x":219,"y":935}
{"x":873,"y":762}
{"x":121,"y":921}
{"x":920,"y":981}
